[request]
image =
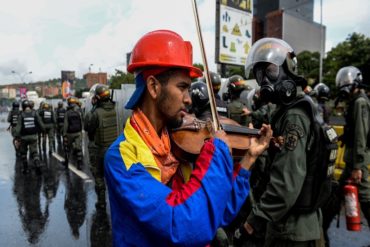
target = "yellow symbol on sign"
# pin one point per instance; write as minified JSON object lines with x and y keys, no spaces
{"x":246,"y":48}
{"x":236,"y":30}
{"x":225,"y":29}
{"x":232,"y":47}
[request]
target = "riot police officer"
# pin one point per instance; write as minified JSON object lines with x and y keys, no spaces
{"x":13,"y":120}
{"x":26,"y":134}
{"x":91,"y":147}
{"x":221,"y":106}
{"x":102,"y":130}
{"x":48,"y":120}
{"x":356,"y":135}
{"x":237,"y":110}
{"x":322,"y":95}
{"x":200,"y":100}
{"x":72,"y":132}
{"x":60,"y":111}
{"x":280,"y":211}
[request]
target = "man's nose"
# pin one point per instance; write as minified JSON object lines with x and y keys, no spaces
{"x":187,"y":98}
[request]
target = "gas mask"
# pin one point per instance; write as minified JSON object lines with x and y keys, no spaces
{"x":345,"y":92}
{"x":276,"y":86}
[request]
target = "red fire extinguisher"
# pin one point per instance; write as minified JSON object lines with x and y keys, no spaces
{"x":352,"y":207}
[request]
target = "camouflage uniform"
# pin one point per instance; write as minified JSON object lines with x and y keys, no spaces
{"x":102,"y":129}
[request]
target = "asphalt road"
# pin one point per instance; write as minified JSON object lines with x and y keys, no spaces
{"x":57,"y":208}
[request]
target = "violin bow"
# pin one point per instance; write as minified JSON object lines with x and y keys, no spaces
{"x":212,"y":101}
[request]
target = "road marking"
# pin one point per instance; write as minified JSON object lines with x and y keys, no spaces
{"x":71,"y":167}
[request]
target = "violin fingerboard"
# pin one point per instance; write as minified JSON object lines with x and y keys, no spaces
{"x":228,"y":128}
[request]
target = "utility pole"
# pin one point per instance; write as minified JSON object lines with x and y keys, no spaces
{"x":321,"y":43}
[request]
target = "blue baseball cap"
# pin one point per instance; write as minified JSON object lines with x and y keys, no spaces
{"x":139,"y":91}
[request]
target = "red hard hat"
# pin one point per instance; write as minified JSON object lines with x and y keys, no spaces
{"x":163,"y":48}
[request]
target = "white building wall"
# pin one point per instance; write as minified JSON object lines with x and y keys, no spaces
{"x":303,"y":35}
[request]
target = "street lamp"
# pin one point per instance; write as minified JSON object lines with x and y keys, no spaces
{"x":21,"y":76}
{"x":90,"y":67}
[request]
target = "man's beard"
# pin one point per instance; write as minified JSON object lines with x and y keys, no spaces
{"x":174,"y":123}
{"x":171,"y":122}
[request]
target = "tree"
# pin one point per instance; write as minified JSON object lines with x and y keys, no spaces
{"x":355,"y":51}
{"x":308,"y":66}
{"x":120,"y":78}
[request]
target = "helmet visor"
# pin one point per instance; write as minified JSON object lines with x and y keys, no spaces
{"x":269,"y":70}
{"x":347,"y":76}
{"x":269,"y":50}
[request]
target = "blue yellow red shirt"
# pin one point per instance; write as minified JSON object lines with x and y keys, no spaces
{"x":146,"y":212}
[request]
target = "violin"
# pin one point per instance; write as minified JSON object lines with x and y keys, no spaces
{"x":188,"y":139}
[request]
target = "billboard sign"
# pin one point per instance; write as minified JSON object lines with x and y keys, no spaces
{"x":68,"y":78}
{"x":22,"y":92}
{"x":233,"y":31}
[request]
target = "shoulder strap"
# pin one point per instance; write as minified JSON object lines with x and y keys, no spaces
{"x":307,"y":104}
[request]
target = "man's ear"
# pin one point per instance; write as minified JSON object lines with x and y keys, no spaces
{"x":153,"y":86}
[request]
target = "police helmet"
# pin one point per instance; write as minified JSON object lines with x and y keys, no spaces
{"x":322,"y":91}
{"x":102,"y":92}
{"x":15,"y":104}
{"x":236,"y":84}
{"x":25,"y":104}
{"x":32,"y":104}
{"x":60,"y":104}
{"x":274,"y":66}
{"x":199,"y":95}
{"x":45,"y":106}
{"x":274,"y":51}
{"x":215,"y":81}
{"x":348,"y":77}
{"x":72,"y":100}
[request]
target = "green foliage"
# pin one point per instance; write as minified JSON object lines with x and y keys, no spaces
{"x":309,"y":65}
{"x":120,"y":78}
{"x":355,"y":51}
{"x":79,"y":91}
{"x":199,"y":66}
{"x":235,"y":70}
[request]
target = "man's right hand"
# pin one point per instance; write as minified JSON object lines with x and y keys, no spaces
{"x":257,"y":146}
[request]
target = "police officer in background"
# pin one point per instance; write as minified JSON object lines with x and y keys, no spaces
{"x":200,"y":101}
{"x":102,"y":130}
{"x":237,"y":111}
{"x":72,"y":132}
{"x":91,"y":147}
{"x":13,"y":120}
{"x":356,"y":137}
{"x":60,"y":111}
{"x":278,"y":215}
{"x":221,"y":106}
{"x":322,"y":95}
{"x":26,"y":134}
{"x":48,"y":120}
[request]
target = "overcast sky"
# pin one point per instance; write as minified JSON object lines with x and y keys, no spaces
{"x":47,"y":36}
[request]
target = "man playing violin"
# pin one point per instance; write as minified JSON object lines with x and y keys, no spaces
{"x":155,"y":200}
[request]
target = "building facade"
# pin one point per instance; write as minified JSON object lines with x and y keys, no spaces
{"x":93,"y":78}
{"x":290,"y":20}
